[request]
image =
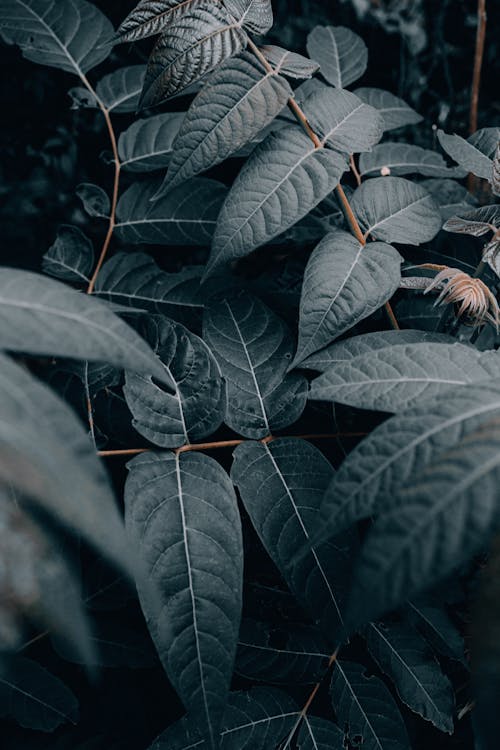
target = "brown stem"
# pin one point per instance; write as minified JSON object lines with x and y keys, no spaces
{"x":478,"y":64}
{"x":355,"y":170}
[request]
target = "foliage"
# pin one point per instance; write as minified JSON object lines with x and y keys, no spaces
{"x":314,"y":272}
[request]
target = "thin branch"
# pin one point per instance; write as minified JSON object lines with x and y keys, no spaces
{"x":355,"y":170}
{"x":478,"y":64}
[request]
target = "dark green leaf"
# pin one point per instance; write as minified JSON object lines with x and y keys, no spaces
{"x":435,"y":624}
{"x":120,"y":91}
{"x":151,"y":17}
{"x":474,"y":154}
{"x":402,"y":158}
{"x":71,"y":257}
{"x":319,"y":734}
{"x":254,"y":15}
{"x":477,"y":222}
{"x":342,"y":54}
{"x":116,"y":645}
{"x":289,"y":63}
{"x":395,"y":112}
{"x":95,"y":201}
{"x":147,"y":144}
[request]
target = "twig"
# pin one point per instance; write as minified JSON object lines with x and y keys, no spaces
{"x":355,"y":170}
{"x":478,"y":64}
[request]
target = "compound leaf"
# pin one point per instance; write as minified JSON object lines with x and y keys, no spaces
{"x":342,"y":54}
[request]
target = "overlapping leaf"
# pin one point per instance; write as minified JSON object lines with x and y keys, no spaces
{"x":474,"y":154}
{"x":396,"y":113}
{"x":284,"y":179}
{"x":253,"y":348}
{"x":94,"y":199}
{"x":434,"y":623}
{"x":147,"y":144}
{"x":254,"y":15}
{"x":151,"y":17}
{"x":344,"y":282}
{"x":477,"y":222}
{"x":289,"y":63}
{"x":402,"y":158}
{"x":319,"y":734}
{"x":71,"y":257}
{"x":451,"y":197}
{"x":393,"y":209}
{"x":182,"y":514}
{"x":120,"y":91}
{"x":342,"y":54}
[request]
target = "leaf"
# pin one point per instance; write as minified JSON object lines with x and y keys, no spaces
{"x":255,"y":15}
{"x":394,"y":378}
{"x":477,"y":222}
{"x":393,"y":209}
{"x":71,"y":257}
{"x":437,"y":628}
{"x":181,"y":512}
{"x":450,"y":195}
{"x":120,"y":91}
{"x":319,"y":734}
{"x":116,"y":645}
{"x":73,"y":36}
{"x":237,"y":102}
{"x":146,"y":146}
{"x":405,"y":657}
{"x":341,"y":352}
{"x":402,"y":158}
{"x":152,"y":17}
{"x":343,"y":121}
{"x":413,"y":545}
{"x":43,"y":316}
{"x":283,"y":180}
{"x":191,"y":47}
{"x":342,"y":54}
{"x":281,"y":484}
{"x":474,"y":154}
{"x":289,"y":63}
{"x":495,"y":177}
{"x":396,"y":113}
{"x":35,"y":698}
{"x":367,"y":707}
{"x":253,"y":348}
{"x":253,"y":720}
{"x":298,"y":655}
{"x":344,"y":283}
{"x":193,"y":406}
{"x":186,"y":216}
{"x":95,"y":201}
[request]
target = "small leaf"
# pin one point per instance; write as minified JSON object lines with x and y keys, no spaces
{"x":254,"y":15}
{"x":253,"y":348}
{"x":146,"y":146}
{"x":185,"y":216}
{"x":289,"y":63}
{"x":406,"y":658}
{"x":474,"y":154}
{"x":194,"y":405}
{"x":395,"y":112}
{"x":182,"y":513}
{"x":393,"y":209}
{"x":283,"y":180}
{"x":73,"y":36}
{"x":476,"y":222}
{"x":95,"y":201}
{"x":344,"y":283}
{"x":152,"y":17}
{"x":319,"y":734}
{"x":35,"y":698}
{"x":342,"y":54}
{"x":237,"y":102}
{"x":368,"y":709}
{"x":71,"y":257}
{"x":191,"y":47}
{"x":43,"y":316}
{"x":120,"y":91}
{"x":402,"y":158}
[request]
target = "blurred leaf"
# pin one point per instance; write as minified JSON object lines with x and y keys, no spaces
{"x":71,"y":257}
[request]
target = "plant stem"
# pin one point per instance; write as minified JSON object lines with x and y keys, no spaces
{"x":355,"y":170}
{"x":478,"y":64}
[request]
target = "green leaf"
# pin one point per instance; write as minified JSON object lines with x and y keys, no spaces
{"x":402,"y":158}
{"x":406,"y":658}
{"x":193,"y":406}
{"x":152,"y":17}
{"x":71,"y":257}
{"x":254,"y":15}
{"x":35,"y":698}
{"x":393,"y":378}
{"x":189,"y":48}
{"x":237,"y":102}
{"x":283,"y":180}
{"x":120,"y":91}
{"x":436,"y":626}
{"x":95,"y":200}
{"x":344,"y":283}
{"x":367,"y":707}
{"x":319,"y":734}
{"x":288,"y":63}
{"x":396,"y":113}
{"x":477,"y":222}
{"x":182,"y":513}
{"x":253,"y":348}
{"x":393,"y":209}
{"x":43,"y":316}
{"x":474,"y":154}
{"x":72,"y":36}
{"x":281,"y":484}
{"x":450,"y":195}
{"x":185,"y":216}
{"x":146,"y":146}
{"x":342,"y":54}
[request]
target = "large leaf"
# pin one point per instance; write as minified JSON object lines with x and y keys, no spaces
{"x":396,"y":113}
{"x":120,"y":91}
{"x":254,"y":15}
{"x":474,"y":154}
{"x":344,"y":283}
{"x":393,"y":378}
{"x":402,"y":158}
{"x":42,"y":316}
{"x":237,"y":102}
{"x":444,"y":514}
{"x":191,"y":47}
{"x":256,"y":720}
{"x":283,"y":180}
{"x":406,"y":658}
{"x":319,"y":734}
{"x":71,"y":36}
{"x":393,"y":209}
{"x":147,"y":144}
{"x":151,"y":17}
{"x":185,"y":216}
{"x":182,"y":514}
{"x":71,"y":257}
{"x":35,"y":698}
{"x":194,"y":404}
{"x":282,"y":484}
{"x":342,"y":54}
{"x":253,"y":348}
{"x":343,"y":121}
{"x":366,"y":706}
